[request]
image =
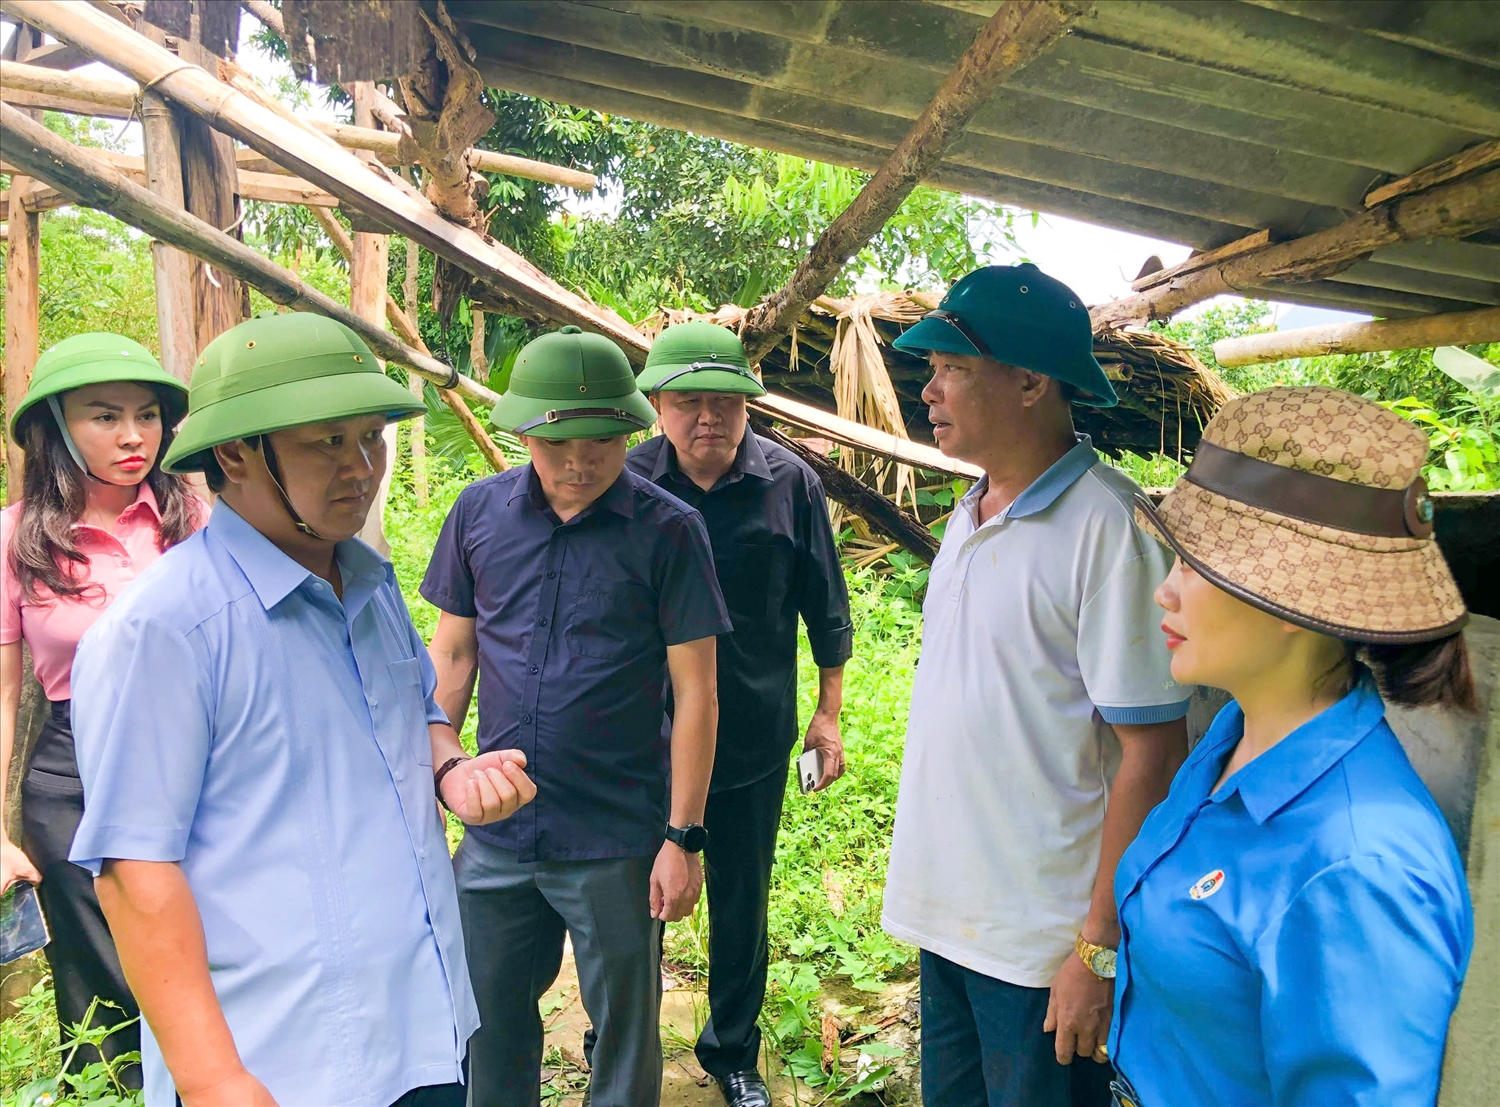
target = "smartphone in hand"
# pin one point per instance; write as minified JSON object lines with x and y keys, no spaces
{"x":23,"y":930}
{"x":809,"y":770}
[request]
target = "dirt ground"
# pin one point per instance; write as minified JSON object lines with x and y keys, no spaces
{"x":684,"y":1083}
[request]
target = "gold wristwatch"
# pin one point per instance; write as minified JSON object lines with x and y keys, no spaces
{"x":1099,"y":959}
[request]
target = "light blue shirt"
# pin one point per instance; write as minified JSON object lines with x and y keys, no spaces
{"x":273,"y":741}
{"x":1297,"y":938}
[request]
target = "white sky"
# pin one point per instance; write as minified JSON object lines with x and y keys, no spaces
{"x":1096,"y":262}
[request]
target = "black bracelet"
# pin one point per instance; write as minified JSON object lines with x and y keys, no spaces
{"x":447,"y":767}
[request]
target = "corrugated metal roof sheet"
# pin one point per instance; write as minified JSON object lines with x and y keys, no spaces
{"x":1196,"y":121}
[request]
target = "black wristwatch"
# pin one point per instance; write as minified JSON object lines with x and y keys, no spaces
{"x":691,"y":838}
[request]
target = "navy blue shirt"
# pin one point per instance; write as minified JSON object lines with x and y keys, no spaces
{"x":574,"y":620}
{"x":1298,"y":937}
{"x":776,"y":558}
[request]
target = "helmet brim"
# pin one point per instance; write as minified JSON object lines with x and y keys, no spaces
{"x":173,"y":393}
{"x":516,"y":411}
{"x":935,"y":336}
{"x":294,"y":404}
{"x":712,"y":380}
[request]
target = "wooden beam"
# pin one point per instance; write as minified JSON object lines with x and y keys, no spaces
{"x":22,"y":319}
{"x":1455,"y":209}
{"x":171,"y":268}
{"x":419,"y":424}
{"x":1202,"y":261}
{"x":1014,"y":35}
{"x":114,"y":98}
{"x":94,"y":183}
{"x":1459,"y":328}
{"x":1460,"y":164}
{"x":406,"y":327}
{"x":269,"y":187}
{"x":847,"y":432}
{"x":883,"y":516}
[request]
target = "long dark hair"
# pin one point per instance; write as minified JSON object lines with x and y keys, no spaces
{"x":1424,"y":673}
{"x":53,"y":497}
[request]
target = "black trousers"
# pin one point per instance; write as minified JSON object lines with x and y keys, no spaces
{"x":742,"y":824}
{"x":81,"y":954}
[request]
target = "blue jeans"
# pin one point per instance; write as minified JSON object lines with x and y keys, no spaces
{"x":983,"y":1045}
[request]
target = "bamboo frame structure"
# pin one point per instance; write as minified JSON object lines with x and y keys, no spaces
{"x":1459,"y":328}
{"x":95,"y":183}
{"x":116,"y":98}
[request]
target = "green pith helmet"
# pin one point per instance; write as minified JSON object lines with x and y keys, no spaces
{"x":698,"y":357}
{"x":278,"y":371}
{"x":1019,"y":315}
{"x":100,"y":358}
{"x":569,"y":384}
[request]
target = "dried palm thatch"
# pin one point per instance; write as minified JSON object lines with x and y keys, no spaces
{"x":1166,"y":393}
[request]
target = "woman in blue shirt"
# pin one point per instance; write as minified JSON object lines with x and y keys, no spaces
{"x":1294,"y":916}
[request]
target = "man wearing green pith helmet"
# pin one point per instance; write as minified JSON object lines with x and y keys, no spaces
{"x":776,"y":560}
{"x":260,"y":753}
{"x":573,"y":588}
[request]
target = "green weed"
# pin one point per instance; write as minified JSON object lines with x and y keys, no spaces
{"x":33,"y":1066}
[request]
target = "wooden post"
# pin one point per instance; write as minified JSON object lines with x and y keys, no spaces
{"x":1458,"y":328}
{"x":1014,"y":35}
{"x":175,"y":312}
{"x":369,"y":270}
{"x":419,"y":424}
{"x":22,"y":319}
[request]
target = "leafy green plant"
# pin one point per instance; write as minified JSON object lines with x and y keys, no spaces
{"x":34,"y":1068}
{"x":1465,"y":456}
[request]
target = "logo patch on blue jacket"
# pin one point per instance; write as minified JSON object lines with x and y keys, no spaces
{"x":1207,"y":884}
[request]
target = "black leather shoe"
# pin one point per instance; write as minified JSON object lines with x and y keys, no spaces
{"x":745,"y":1089}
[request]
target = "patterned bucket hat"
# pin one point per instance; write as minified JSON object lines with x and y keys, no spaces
{"x":1309,"y":503}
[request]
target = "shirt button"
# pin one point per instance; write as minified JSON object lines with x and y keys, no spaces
{"x":374,"y":702}
{"x":551,"y":574}
{"x":542,"y":621}
{"x":400,"y":776}
{"x":526,"y":718}
{"x":533,"y":669}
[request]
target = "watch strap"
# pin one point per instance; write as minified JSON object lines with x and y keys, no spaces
{"x":443,"y":770}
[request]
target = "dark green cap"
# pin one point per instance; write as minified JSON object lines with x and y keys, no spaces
{"x":699,"y":357}
{"x":569,"y":384}
{"x":1019,"y":315}
{"x":279,"y":371}
{"x":100,"y":358}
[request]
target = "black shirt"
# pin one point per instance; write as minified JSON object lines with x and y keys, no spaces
{"x":574,"y":620}
{"x":775,"y":555}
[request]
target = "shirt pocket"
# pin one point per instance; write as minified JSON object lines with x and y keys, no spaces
{"x":406,"y":676}
{"x":754,"y":578}
{"x":611,"y":619}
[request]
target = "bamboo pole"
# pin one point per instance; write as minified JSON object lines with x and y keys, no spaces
{"x":419,"y":424}
{"x":1455,"y":209}
{"x":94,"y":183}
{"x":22,"y":319}
{"x":406,"y":327}
{"x":1014,"y":35}
{"x":114,"y":98}
{"x":369,"y":272}
{"x":171,"y":268}
{"x":1459,"y":328}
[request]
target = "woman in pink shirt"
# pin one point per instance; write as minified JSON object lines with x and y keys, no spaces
{"x":95,"y":511}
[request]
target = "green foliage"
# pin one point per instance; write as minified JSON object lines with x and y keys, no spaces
{"x":1462,"y":426}
{"x":33,"y":1066}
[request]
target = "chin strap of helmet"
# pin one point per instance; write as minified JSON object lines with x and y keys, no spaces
{"x":73,"y":452}
{"x":273,"y":467}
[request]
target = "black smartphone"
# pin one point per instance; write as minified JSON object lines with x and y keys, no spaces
{"x":23,"y":930}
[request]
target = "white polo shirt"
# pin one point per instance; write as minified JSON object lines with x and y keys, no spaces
{"x":1039,"y":629}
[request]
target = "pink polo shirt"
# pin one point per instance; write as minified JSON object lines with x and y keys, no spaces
{"x":53,"y":626}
